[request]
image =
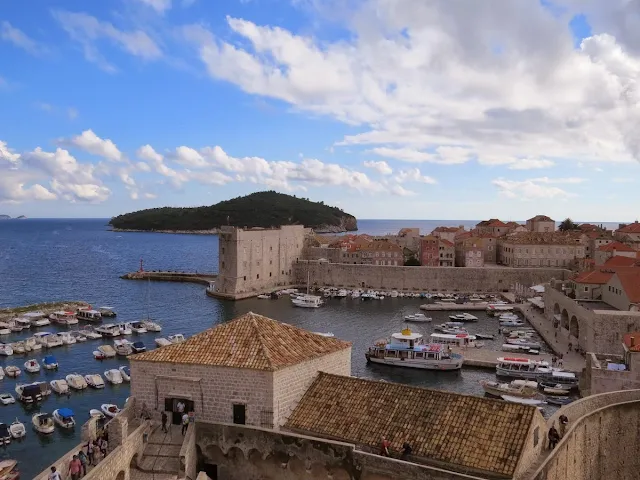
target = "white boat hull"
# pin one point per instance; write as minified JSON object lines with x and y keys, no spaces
{"x":408,"y":363}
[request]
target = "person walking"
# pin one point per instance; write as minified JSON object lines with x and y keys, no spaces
{"x":554,"y":437}
{"x":75,"y":467}
{"x":185,"y":423}
{"x":164,"y":422}
{"x":91,"y":450}
{"x":54,"y":475}
{"x":83,"y":460}
{"x":180,"y":407}
{"x":103,"y":447}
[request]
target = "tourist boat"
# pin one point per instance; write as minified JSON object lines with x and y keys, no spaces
{"x":107,"y":312}
{"x":89,"y":315}
{"x":78,"y":335}
{"x":558,"y":376}
{"x":522,"y":368}
{"x":48,"y":339}
{"x":177,"y":338}
{"x":64,"y":417}
{"x":511,"y":323}
{"x":94,"y":380}
{"x":90,"y":333}
{"x":463,"y":317}
{"x":406,"y":349}
{"x":5,"y":434}
{"x":7,"y":399}
{"x":559,"y":400}
{"x":12,"y":371}
{"x":457,"y":340}
{"x":9,"y":470}
{"x":263,"y":296}
{"x":64,"y":318}
{"x":307,"y":301}
{"x":31,"y":344}
{"x":76,"y":381}
{"x":138,"y":327}
{"x":17,"y":430}
{"x":18,"y":347}
{"x":523,"y":401}
{"x":417,"y":317}
{"x":517,"y":388}
{"x":59,"y":386}
{"x":123,"y":347}
{"x":554,"y":389}
{"x":94,"y":413}
{"x":32,"y":366}
{"x":109,"y":330}
{"x":114,"y":376}
{"x":125,"y":328}
{"x":6,"y":349}
{"x":30,"y":393}
{"x":138,"y":347}
{"x":50,"y":362}
{"x":125,"y":372}
{"x":162,"y":342}
{"x":107,"y":350}
{"x":151,"y":326}
{"x":43,"y":423}
{"x":523,"y":342}
{"x":109,"y":409}
{"x":484,"y":336}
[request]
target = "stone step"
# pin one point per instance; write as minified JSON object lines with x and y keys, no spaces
{"x":136,"y":474}
{"x":162,"y":450}
{"x":170,"y":465}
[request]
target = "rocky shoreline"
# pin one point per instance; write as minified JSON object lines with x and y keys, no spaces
{"x":215,"y":231}
{"x":9,"y":313}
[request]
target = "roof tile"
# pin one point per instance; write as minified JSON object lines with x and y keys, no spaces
{"x":618,"y":246}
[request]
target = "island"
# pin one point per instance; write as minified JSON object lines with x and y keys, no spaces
{"x":260,"y":209}
{"x":7,"y":217}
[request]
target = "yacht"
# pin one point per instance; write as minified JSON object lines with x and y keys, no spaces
{"x":138,"y":327}
{"x":307,"y":301}
{"x":151,"y":326}
{"x":417,"y":317}
{"x":89,"y":315}
{"x":457,"y":340}
{"x":125,"y":328}
{"x":524,"y":368}
{"x":463,"y":317}
{"x":109,"y":330}
{"x":64,"y":318}
{"x":75,"y":381}
{"x":123,"y":347}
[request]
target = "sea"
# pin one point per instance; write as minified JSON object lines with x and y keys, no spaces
{"x":49,"y":260}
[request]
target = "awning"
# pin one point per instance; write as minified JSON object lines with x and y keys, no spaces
{"x":538,"y":288}
{"x":537,"y":301}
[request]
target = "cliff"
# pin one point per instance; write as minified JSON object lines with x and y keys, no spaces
{"x":260,"y":209}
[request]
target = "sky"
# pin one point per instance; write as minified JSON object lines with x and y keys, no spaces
{"x":438,"y":109}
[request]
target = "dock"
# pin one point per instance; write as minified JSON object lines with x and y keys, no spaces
{"x":166,"y":276}
{"x":483,"y":358}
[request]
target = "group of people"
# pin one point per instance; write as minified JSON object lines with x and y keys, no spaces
{"x":385,"y":449}
{"x":79,"y":463}
{"x":185,"y":418}
{"x":557,"y":361}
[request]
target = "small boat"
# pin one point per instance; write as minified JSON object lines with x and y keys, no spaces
{"x":511,"y":323}
{"x":307,"y":301}
{"x":18,"y":347}
{"x":523,"y":401}
{"x":263,"y":296}
{"x":114,"y":376}
{"x":48,"y":339}
{"x":125,"y":328}
{"x":17,"y":430}
{"x":5,"y":331}
{"x":43,"y":423}
{"x":568,"y":380}
{"x":109,"y":409}
{"x":32,"y":345}
{"x":30,"y":393}
{"x":89,"y":315}
{"x":9,"y":470}
{"x":109,"y":330}
{"x":66,"y":338}
{"x":24,"y":322}
{"x":107,"y":312}
{"x":417,"y":317}
{"x":559,"y":400}
{"x":98,"y":355}
{"x":32,"y":366}
{"x":5,"y":434}
{"x":64,"y":417}
{"x":123,"y":347}
{"x":522,"y":368}
{"x":45,"y":390}
{"x":177,"y":338}
{"x":463,"y":317}
{"x":125,"y":372}
{"x":557,"y":389}
{"x":41,"y":322}
{"x":75,"y":381}
{"x":94,"y":380}
{"x":151,"y":326}
{"x":7,"y":399}
{"x":90,"y":333}
{"x":50,"y":362}
{"x":78,"y":335}
{"x":484,"y":336}
{"x":15,"y":327}
{"x":59,"y":386}
{"x":138,"y":347}
{"x":6,"y":349}
{"x":107,"y":350}
{"x":517,"y":388}
{"x":523,"y":342}
{"x":96,"y":413}
{"x":12,"y":371}
{"x":64,"y":318}
{"x":1,"y":373}
{"x":162,"y":342}
{"x":325,"y":334}
{"x":138,"y":327}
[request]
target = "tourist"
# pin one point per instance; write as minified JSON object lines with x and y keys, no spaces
{"x":384,"y":448}
{"x":406,"y":451}
{"x":83,"y":460}
{"x":145,"y":412}
{"x":554,"y":437}
{"x":185,"y":423}
{"x":570,"y":346}
{"x":164,"y":422}
{"x":75,"y":467}
{"x":192,"y":416}
{"x":91,"y":452}
{"x":54,"y":475}
{"x":180,"y":407}
{"x":563,"y":425}
{"x":103,"y":447}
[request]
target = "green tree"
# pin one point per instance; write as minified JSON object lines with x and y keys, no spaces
{"x":568,"y":225}
{"x":412,"y":262}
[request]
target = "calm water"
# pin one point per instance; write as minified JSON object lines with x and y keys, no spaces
{"x":52,"y":260}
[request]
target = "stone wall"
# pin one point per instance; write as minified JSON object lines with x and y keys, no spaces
{"x":289,"y":384}
{"x":598,"y":379}
{"x":189,"y":456}
{"x":448,"y":279}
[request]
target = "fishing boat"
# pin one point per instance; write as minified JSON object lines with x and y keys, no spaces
{"x":123,"y":347}
{"x":32,"y":366}
{"x":125,"y":328}
{"x":522,"y":368}
{"x":6,"y":349}
{"x":43,"y":423}
{"x":7,"y":399}
{"x":50,"y":362}
{"x":125,"y":372}
{"x":9,"y":470}
{"x":31,"y":344}
{"x":523,"y":401}
{"x":463,"y":317}
{"x":64,"y":417}
{"x":30,"y":393}
{"x":107,"y":312}
{"x":76,"y":381}
{"x":407,"y":349}
{"x":17,"y":430}
{"x":417,"y":317}
{"x":94,"y":380}
{"x":138,"y":327}
{"x":5,"y":434}
{"x":113,"y":376}
{"x":138,"y":347}
{"x":59,"y":386}
{"x":517,"y":388}
{"x":78,"y":335}
{"x":523,"y":342}
{"x":177,"y":338}
{"x":90,"y":333}
{"x":557,"y":389}
{"x":107,"y":350}
{"x":457,"y":340}
{"x":109,"y":409}
{"x":109,"y":330}
{"x":64,"y":318}
{"x":12,"y":371}
{"x":162,"y":342}
{"x":151,"y":326}
{"x":307,"y":301}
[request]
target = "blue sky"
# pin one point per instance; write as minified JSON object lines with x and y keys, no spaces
{"x":387,"y":109}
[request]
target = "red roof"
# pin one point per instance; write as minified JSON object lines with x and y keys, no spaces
{"x":446,"y":229}
{"x":627,"y":341}
{"x":617,"y":246}
{"x":620,"y":261}
{"x":631,"y":228}
{"x":630,"y":281}
{"x":497,"y":223}
{"x":446,"y":242}
{"x":594,"y":277}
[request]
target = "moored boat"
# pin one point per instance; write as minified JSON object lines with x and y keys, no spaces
{"x":417,"y":317}
{"x":522,"y":368}
{"x":107,"y":312}
{"x":64,"y":417}
{"x":59,"y":386}
{"x":12,"y":371}
{"x":30,"y":393}
{"x":32,"y":345}
{"x":125,"y":372}
{"x":177,"y":338}
{"x":96,"y":413}
{"x":523,"y":342}
{"x":89,"y":315}
{"x":78,"y":335}
{"x":48,"y":339}
{"x":76,"y":381}
{"x":138,"y":327}
{"x":43,"y":423}
{"x":7,"y":399}
{"x":109,"y":409}
{"x":151,"y":326}
{"x":553,"y":400}
{"x":94,"y":380}
{"x":138,"y":347}
{"x":113,"y":376}
{"x":557,"y":389}
{"x":463,"y":317}
{"x":5,"y":434}
{"x":307,"y":301}
{"x":484,"y":336}
{"x":90,"y":333}
{"x":9,"y":470}
{"x":32,"y":366}
{"x":64,"y":318}
{"x":457,"y":340}
{"x":50,"y":362}
{"x":523,"y":401}
{"x":559,"y":377}
{"x":162,"y":342}
{"x":109,"y":330}
{"x":125,"y":328}
{"x":6,"y":349}
{"x":107,"y":350}
{"x":517,"y":388}
{"x":18,"y":347}
{"x":17,"y":430}
{"x":123,"y":347}
{"x":66,"y":338}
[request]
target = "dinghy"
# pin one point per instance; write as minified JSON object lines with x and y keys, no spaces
{"x":109,"y":409}
{"x":107,"y":350}
{"x":177,"y":338}
{"x":138,"y":347}
{"x":5,"y":434}
{"x":29,"y":393}
{"x":43,"y":423}
{"x":126,"y":373}
{"x":96,"y":413}
{"x":162,"y":342}
{"x":12,"y":371}
{"x":32,"y":366}
{"x":76,"y":381}
{"x":114,"y":376}
{"x":64,"y":417}
{"x":98,"y":355}
{"x":17,"y":429}
{"x":7,"y":398}
{"x":59,"y":386}
{"x":94,"y":380}
{"x":50,"y":362}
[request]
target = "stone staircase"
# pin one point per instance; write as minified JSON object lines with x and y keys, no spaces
{"x":161,"y":457}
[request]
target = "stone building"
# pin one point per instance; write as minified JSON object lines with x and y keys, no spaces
{"x":613,"y":249}
{"x":613,"y":372}
{"x":447,"y":233}
{"x":447,"y":251}
{"x":493,"y":227}
{"x":255,"y":260}
{"x":629,"y":234}
{"x":534,"y":249}
{"x":382,"y":252}
{"x":541,"y":224}
{"x":429,"y":251}
{"x":251,"y":370}
{"x":469,"y":251}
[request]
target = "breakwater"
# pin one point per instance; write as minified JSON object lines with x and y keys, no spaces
{"x":190,"y":277}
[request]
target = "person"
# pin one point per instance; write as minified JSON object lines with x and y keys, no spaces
{"x":54,"y":475}
{"x":570,"y":346}
{"x":164,"y":422}
{"x":75,"y":467}
{"x":384,"y":448}
{"x":91,"y":450}
{"x":180,"y":407}
{"x":145,"y":412}
{"x":564,"y":421}
{"x":192,"y":416}
{"x":83,"y":461}
{"x":103,"y":447}
{"x":185,"y":423}
{"x":553,"y":437}
{"x":406,"y":451}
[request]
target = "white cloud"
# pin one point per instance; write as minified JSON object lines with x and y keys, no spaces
{"x":443,"y":155}
{"x":569,"y":180}
{"x":381,"y":167}
{"x":93,"y":144}
{"x":413,"y":175}
{"x":623,"y":180}
{"x":189,"y":157}
{"x":530,"y":164}
{"x":528,"y":189}
{"x":159,"y":6}
{"x":20,"y":39}
{"x":7,"y":156}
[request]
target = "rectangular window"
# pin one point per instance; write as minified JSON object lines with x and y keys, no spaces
{"x":257,"y":276}
{"x":586,"y":289}
{"x":269,"y":273}
{"x":239,"y":414}
{"x":222,"y":264}
{"x":223,"y":250}
{"x":245,"y":278}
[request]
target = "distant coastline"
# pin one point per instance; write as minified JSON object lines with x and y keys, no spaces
{"x":213,"y":231}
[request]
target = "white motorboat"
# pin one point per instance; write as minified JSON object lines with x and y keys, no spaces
{"x":522,"y":368}
{"x":463,"y":317}
{"x":45,"y":389}
{"x":94,"y":380}
{"x":32,"y":366}
{"x":96,"y":413}
{"x":484,"y":336}
{"x":113,"y":376}
{"x":34,"y":316}
{"x":307,"y":301}
{"x":511,"y":323}
{"x":31,"y":344}
{"x":263,"y":296}
{"x":325,"y":334}
{"x":76,"y":381}
{"x":18,"y":347}
{"x":162,"y":342}
{"x":17,"y":429}
{"x":457,"y":340}
{"x":417,"y":317}
{"x":78,"y":335}
{"x":24,"y":322}
{"x":30,"y":393}
{"x":107,"y":312}
{"x":107,"y":350}
{"x":64,"y":417}
{"x":123,"y":347}
{"x":5,"y":434}
{"x":138,"y":327}
{"x":125,"y":328}
{"x":109,"y":330}
{"x":43,"y":423}
{"x":66,"y":338}
{"x":151,"y":326}
{"x":517,"y":388}
{"x":48,"y":339}
{"x":558,"y":376}
{"x":64,"y":318}
{"x":7,"y":398}
{"x":1,"y":373}
{"x":138,"y":347}
{"x":523,"y":401}
{"x":125,"y":372}
{"x":50,"y":362}
{"x":523,"y":342}
{"x":450,"y":326}
{"x":41,"y":322}
{"x":109,"y":409}
{"x":177,"y":338}
{"x":557,"y":389}
{"x":15,"y":327}
{"x":89,"y":315}
{"x":6,"y":349}
{"x":90,"y":333}
{"x":59,"y":386}
{"x":12,"y":371}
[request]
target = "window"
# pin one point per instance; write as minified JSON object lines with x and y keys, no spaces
{"x":270,"y":262}
{"x":223,"y":250}
{"x":586,"y":289}
{"x":239,"y":413}
{"x":271,"y":249}
{"x":222,"y":264}
{"x":245,"y":278}
{"x":258,"y":277}
{"x":269,"y":273}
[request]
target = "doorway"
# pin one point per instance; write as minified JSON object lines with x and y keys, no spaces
{"x":211,"y":470}
{"x":239,"y":413}
{"x":171,"y":405}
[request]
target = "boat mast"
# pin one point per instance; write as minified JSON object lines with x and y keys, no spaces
{"x":308,"y":277}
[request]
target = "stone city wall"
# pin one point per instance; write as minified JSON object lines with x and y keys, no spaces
{"x":189,"y":456}
{"x":449,"y":279}
{"x":598,"y":379}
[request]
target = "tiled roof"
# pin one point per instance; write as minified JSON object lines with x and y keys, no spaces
{"x":446,"y":229}
{"x":594,"y":277}
{"x":541,"y":238}
{"x":486,"y":223}
{"x":540,"y":218}
{"x":467,"y":432}
{"x":631,"y":228}
{"x":446,"y":243}
{"x":636,"y":343}
{"x":630,"y":281}
{"x":497,"y":223}
{"x":620,"y":247}
{"x":249,"y":341}
{"x":620,"y":261}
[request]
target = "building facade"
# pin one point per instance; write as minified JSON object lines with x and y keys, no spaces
{"x":429,"y":251}
{"x":469,"y":252}
{"x":382,"y":252}
{"x":532,"y":249}
{"x":447,"y":233}
{"x":613,"y":249}
{"x":447,"y":251}
{"x":541,"y":224}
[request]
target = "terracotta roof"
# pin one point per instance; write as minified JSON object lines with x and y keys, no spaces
{"x":541,"y":238}
{"x":497,"y":223}
{"x":486,"y":223}
{"x":446,"y":243}
{"x":540,"y":218}
{"x":513,"y":224}
{"x":627,"y":341}
{"x":594,"y":277}
{"x":467,"y":432}
{"x":446,"y":229}
{"x":249,"y":341}
{"x":630,"y":281}
{"x":620,"y":247}
{"x":620,"y":261}
{"x":631,"y":228}
{"x":382,"y":245}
